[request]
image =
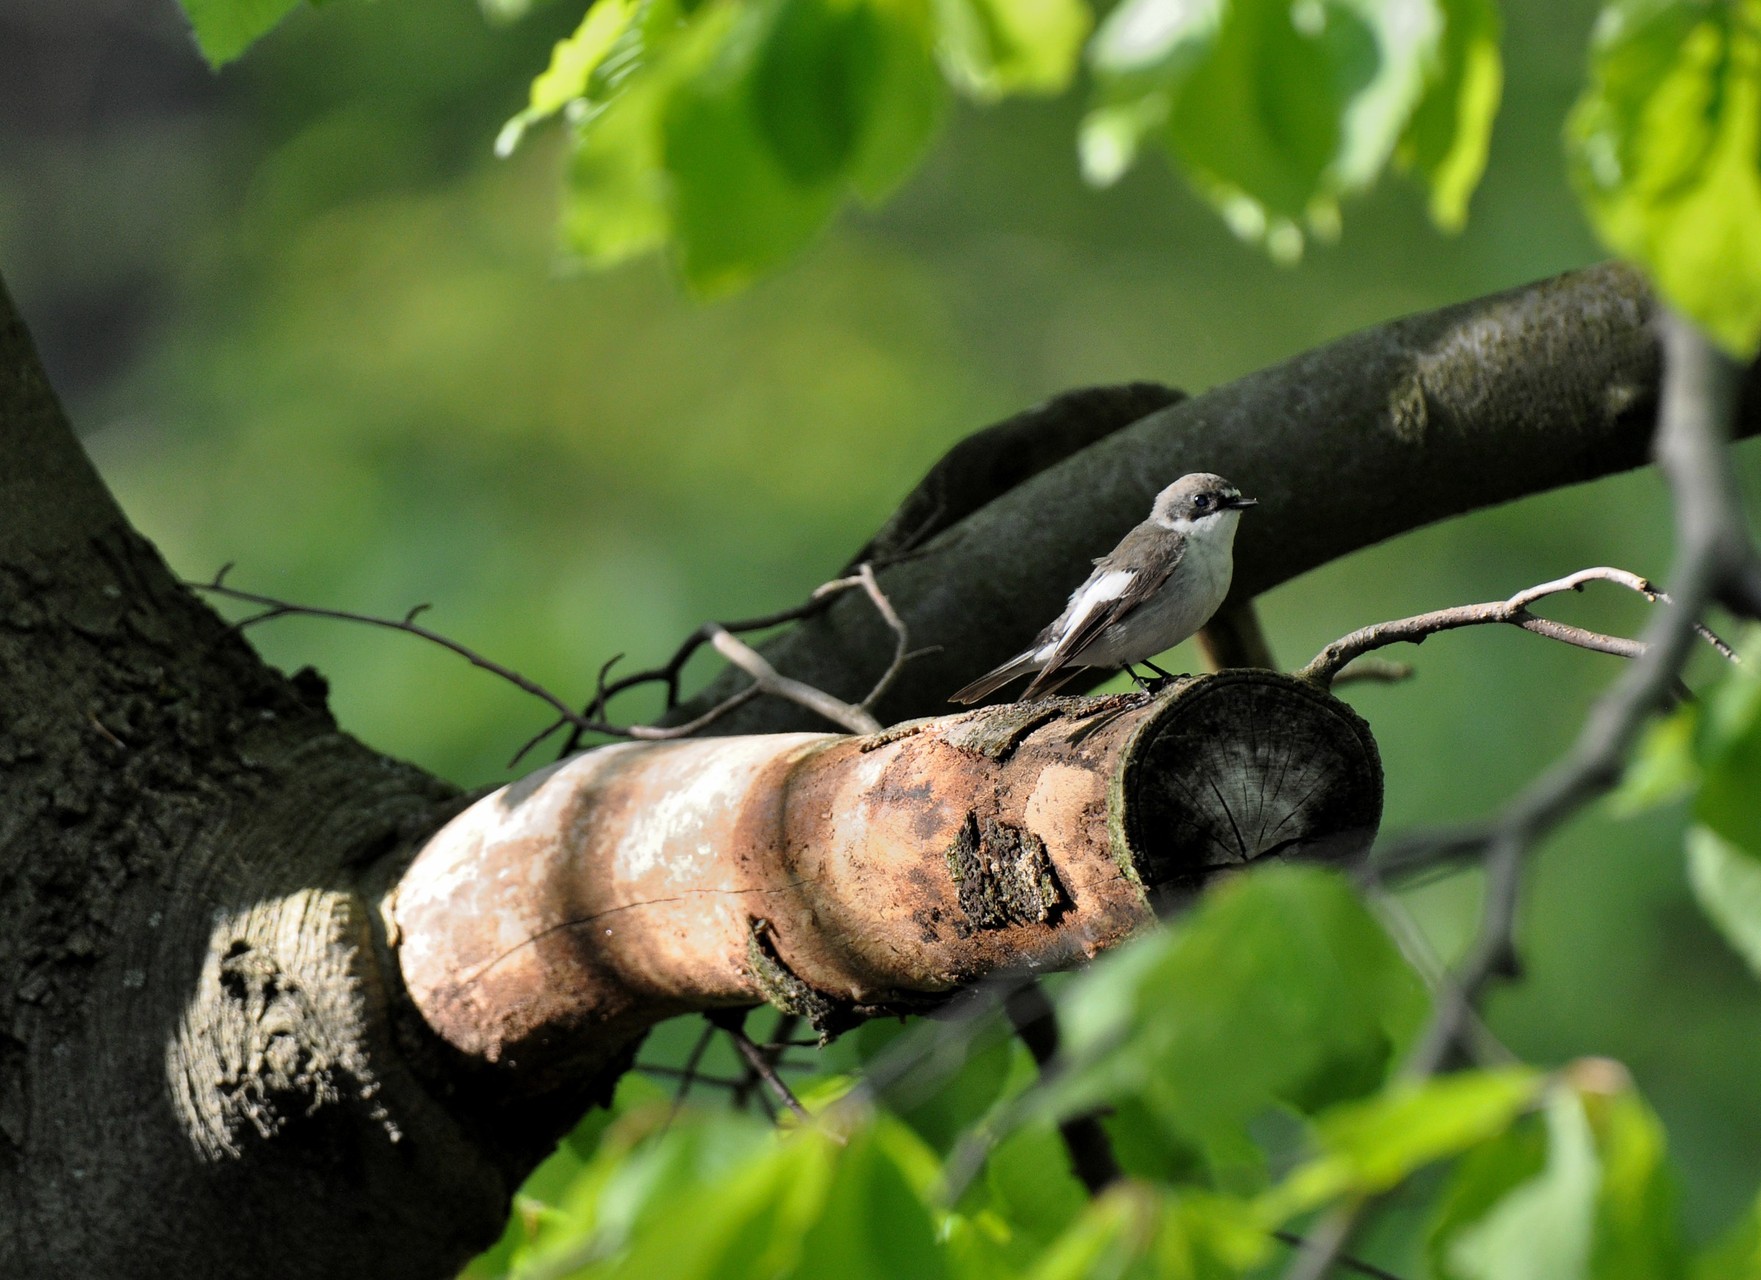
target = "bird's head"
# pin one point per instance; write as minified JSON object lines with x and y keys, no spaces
{"x":1198,"y":500}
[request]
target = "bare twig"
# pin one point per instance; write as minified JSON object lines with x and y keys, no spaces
{"x":1303,"y":1244}
{"x":1326,"y":665}
{"x":1715,"y":560}
{"x":767,"y":679}
{"x":760,"y":1065}
{"x":275,"y":608}
{"x":1374,"y":671}
{"x":787,"y":1024}
{"x":716,"y":634}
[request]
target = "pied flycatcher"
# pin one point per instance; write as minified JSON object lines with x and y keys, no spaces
{"x":1159,"y":585}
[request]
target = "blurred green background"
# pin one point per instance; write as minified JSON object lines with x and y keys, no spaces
{"x":306,"y":323}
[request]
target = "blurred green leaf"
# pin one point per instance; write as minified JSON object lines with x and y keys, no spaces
{"x":1599,"y":1205}
{"x":1368,"y":1147}
{"x":1726,"y":880}
{"x":992,"y":48}
{"x":226,"y":28}
{"x":1637,"y":1231}
{"x":733,"y":134}
{"x":1276,"y":110}
{"x":1663,"y":767}
{"x":1028,"y":1185}
{"x":1447,"y":139}
{"x":1280,"y":989}
{"x":1665,"y":150}
{"x":572,"y":63}
{"x":1736,"y":1255}
{"x":1135,"y":1232}
{"x":1541,"y":1230}
{"x":1729,"y":745}
{"x":1481,"y":1179}
{"x":757,"y":1204}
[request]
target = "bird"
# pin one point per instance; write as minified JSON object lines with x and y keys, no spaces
{"x":1157,"y":587}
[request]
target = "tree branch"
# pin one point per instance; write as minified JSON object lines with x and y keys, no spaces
{"x":1373,"y":435}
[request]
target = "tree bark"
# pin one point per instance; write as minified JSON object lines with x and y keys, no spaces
{"x":550,"y":925}
{"x":209,"y":1065}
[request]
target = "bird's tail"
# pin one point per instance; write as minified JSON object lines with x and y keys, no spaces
{"x":991,"y":681}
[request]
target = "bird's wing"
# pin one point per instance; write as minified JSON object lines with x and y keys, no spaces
{"x":1110,"y":593}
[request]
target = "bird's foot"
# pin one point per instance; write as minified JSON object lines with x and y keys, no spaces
{"x":1154,"y":684}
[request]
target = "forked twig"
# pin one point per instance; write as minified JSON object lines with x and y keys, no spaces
{"x":1326,"y":665}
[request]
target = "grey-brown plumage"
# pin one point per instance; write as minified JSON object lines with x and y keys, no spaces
{"x":1159,"y":585}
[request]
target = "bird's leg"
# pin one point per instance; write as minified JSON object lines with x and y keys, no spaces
{"x":1161,"y":680}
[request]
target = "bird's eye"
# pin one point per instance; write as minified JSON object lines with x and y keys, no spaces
{"x":1202,"y":502}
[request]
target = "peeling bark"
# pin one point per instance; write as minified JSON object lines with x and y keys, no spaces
{"x":837,"y":877}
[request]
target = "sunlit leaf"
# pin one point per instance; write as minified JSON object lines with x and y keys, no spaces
{"x":1595,"y":1201}
{"x":1368,"y":1147}
{"x":1279,"y":990}
{"x":996,"y":47}
{"x":572,"y":62}
{"x":1665,"y":149}
{"x":1450,"y":132}
{"x":1543,"y":1229}
{"x":1275,"y":111}
{"x":1726,"y":880}
{"x":226,"y":28}
{"x":1135,"y":1232}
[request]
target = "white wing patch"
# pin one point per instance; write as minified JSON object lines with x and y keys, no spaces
{"x":1102,"y":589}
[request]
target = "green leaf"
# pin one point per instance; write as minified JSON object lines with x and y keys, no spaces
{"x":1665,"y":151}
{"x":1726,"y":880}
{"x":1450,"y":132}
{"x":226,"y":28}
{"x":1663,"y":768}
{"x":991,"y":48}
{"x":1729,"y":745}
{"x":1637,"y":1231}
{"x":733,"y":134}
{"x":1599,"y":1205}
{"x":1135,"y":1231}
{"x":737,"y":211}
{"x":1368,"y":1147}
{"x":1277,"y":110}
{"x":1736,"y":1255}
{"x":1280,"y":990}
{"x":1480,"y":1180}
{"x":572,"y":62}
{"x":1542,"y":1230}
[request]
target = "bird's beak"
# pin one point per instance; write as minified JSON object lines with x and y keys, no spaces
{"x":1240,"y":503}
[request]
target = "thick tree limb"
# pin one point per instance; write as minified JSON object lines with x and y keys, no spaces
{"x":549,"y":925}
{"x":1373,"y":435}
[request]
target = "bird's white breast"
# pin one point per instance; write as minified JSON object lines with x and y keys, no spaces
{"x":1184,"y":603}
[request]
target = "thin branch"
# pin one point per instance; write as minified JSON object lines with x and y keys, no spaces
{"x":715,"y":634}
{"x":1303,"y":1244}
{"x":760,"y":1065}
{"x":767,"y":680}
{"x":786,"y":1025}
{"x":902,"y":645}
{"x":1326,"y":665}
{"x":274,"y":608}
{"x":1374,"y":671}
